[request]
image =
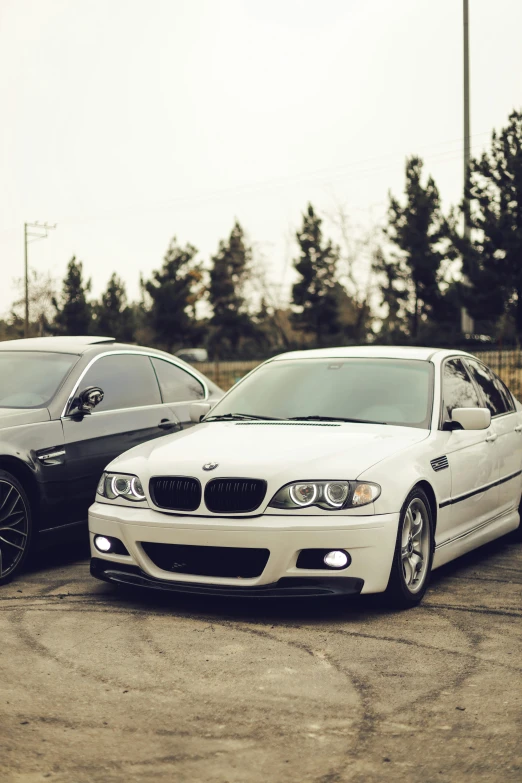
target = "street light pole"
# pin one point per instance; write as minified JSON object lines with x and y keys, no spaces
{"x":26,"y":279}
{"x":40,"y":231}
{"x":466,"y":321}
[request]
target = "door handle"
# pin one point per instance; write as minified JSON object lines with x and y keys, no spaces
{"x":491,"y":438}
{"x":167,"y":424}
{"x":518,"y":428}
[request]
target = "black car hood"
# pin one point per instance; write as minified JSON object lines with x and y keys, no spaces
{"x":15,"y":417}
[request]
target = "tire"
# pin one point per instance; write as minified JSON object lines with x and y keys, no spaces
{"x":517,"y":533}
{"x":413,"y":555}
{"x":15,"y":526}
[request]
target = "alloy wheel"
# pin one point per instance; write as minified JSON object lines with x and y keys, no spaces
{"x":415,"y":545}
{"x":14,"y":528}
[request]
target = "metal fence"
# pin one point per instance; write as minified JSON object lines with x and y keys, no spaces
{"x":226,"y":374}
{"x":506,"y":363}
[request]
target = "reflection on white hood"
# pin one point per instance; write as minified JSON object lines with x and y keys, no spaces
{"x":274,"y":451}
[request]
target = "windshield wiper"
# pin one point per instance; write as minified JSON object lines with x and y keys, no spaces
{"x":239,"y":416}
{"x":334,"y":418}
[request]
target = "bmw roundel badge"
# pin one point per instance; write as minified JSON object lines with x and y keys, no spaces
{"x":210,"y":465}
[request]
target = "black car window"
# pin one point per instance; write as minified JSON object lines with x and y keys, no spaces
{"x":30,"y":379}
{"x":506,"y":394}
{"x":127,"y":380}
{"x":457,"y":388}
{"x":495,"y":399}
{"x":176,"y":384}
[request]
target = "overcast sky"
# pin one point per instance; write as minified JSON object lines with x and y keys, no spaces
{"x":129,"y":121}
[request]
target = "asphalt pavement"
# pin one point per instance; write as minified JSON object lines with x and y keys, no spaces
{"x":98,"y":685}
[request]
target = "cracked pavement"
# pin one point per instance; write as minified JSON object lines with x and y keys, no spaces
{"x":97,"y":684}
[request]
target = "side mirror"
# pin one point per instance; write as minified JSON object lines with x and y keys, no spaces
{"x":198,"y":410}
{"x":89,"y":398}
{"x":472,"y":418}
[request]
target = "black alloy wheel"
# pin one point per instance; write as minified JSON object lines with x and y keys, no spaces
{"x":15,"y":526}
{"x":413,"y":556}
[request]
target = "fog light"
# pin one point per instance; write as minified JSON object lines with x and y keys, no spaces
{"x":104,"y":544}
{"x":336,"y":559}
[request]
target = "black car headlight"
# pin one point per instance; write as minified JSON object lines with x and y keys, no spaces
{"x":121,"y":485}
{"x":331,"y":495}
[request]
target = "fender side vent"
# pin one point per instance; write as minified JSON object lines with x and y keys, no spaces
{"x":441,"y":463}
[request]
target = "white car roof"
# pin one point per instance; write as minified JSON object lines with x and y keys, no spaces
{"x":372,"y":352}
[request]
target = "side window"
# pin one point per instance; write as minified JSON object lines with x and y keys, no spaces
{"x":457,"y":389}
{"x":176,"y":384}
{"x":127,"y":380}
{"x":495,"y":400}
{"x":505,"y":394}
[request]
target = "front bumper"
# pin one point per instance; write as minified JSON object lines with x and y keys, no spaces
{"x":370,"y":542}
{"x":287,"y":587}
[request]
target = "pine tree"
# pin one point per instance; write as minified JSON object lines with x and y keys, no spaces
{"x":73,"y":311}
{"x":394,"y":295}
{"x":418,"y":230}
{"x":317,"y":293}
{"x":230,"y":271}
{"x":113,"y":316}
{"x":492,"y":261}
{"x":174,"y":291}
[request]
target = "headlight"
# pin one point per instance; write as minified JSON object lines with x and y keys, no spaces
{"x":120,"y":485}
{"x":332,"y":495}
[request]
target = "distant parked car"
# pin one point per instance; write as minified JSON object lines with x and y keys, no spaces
{"x":68,"y":406}
{"x":193,"y":355}
{"x":333,"y":471}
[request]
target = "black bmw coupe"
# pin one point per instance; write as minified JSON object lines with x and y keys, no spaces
{"x":68,"y":406}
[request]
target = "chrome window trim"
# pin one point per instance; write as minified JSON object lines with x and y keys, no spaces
{"x":134,"y":353}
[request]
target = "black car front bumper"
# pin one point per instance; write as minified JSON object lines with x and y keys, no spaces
{"x":287,"y":587}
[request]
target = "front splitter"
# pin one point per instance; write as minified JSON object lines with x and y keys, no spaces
{"x":287,"y":587}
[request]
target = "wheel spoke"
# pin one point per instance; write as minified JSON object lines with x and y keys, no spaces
{"x":21,"y":517}
{"x":12,"y":529}
{"x":4,"y":501}
{"x":417,"y":526}
{"x":416,"y":565}
{"x":10,"y":510}
{"x":407,"y":569}
{"x":11,"y":543}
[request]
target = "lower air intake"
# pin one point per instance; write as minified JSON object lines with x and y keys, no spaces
{"x":234,"y":496}
{"x":225,"y":561}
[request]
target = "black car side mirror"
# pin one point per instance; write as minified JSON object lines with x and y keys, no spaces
{"x":89,"y":398}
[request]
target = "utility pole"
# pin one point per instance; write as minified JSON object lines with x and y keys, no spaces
{"x":40,"y":231}
{"x":467,"y":229}
{"x":466,"y":321}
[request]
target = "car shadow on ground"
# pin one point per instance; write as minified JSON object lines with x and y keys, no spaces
{"x":300,"y":611}
{"x":261,"y":610}
{"x":50,"y":555}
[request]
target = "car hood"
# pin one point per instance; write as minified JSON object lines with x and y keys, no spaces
{"x":274,"y":451}
{"x":14,"y":417}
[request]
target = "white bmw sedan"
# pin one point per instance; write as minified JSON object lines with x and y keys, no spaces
{"x":324,"y":472}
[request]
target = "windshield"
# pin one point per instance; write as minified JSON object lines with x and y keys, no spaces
{"x":389,"y":391}
{"x":30,"y":379}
